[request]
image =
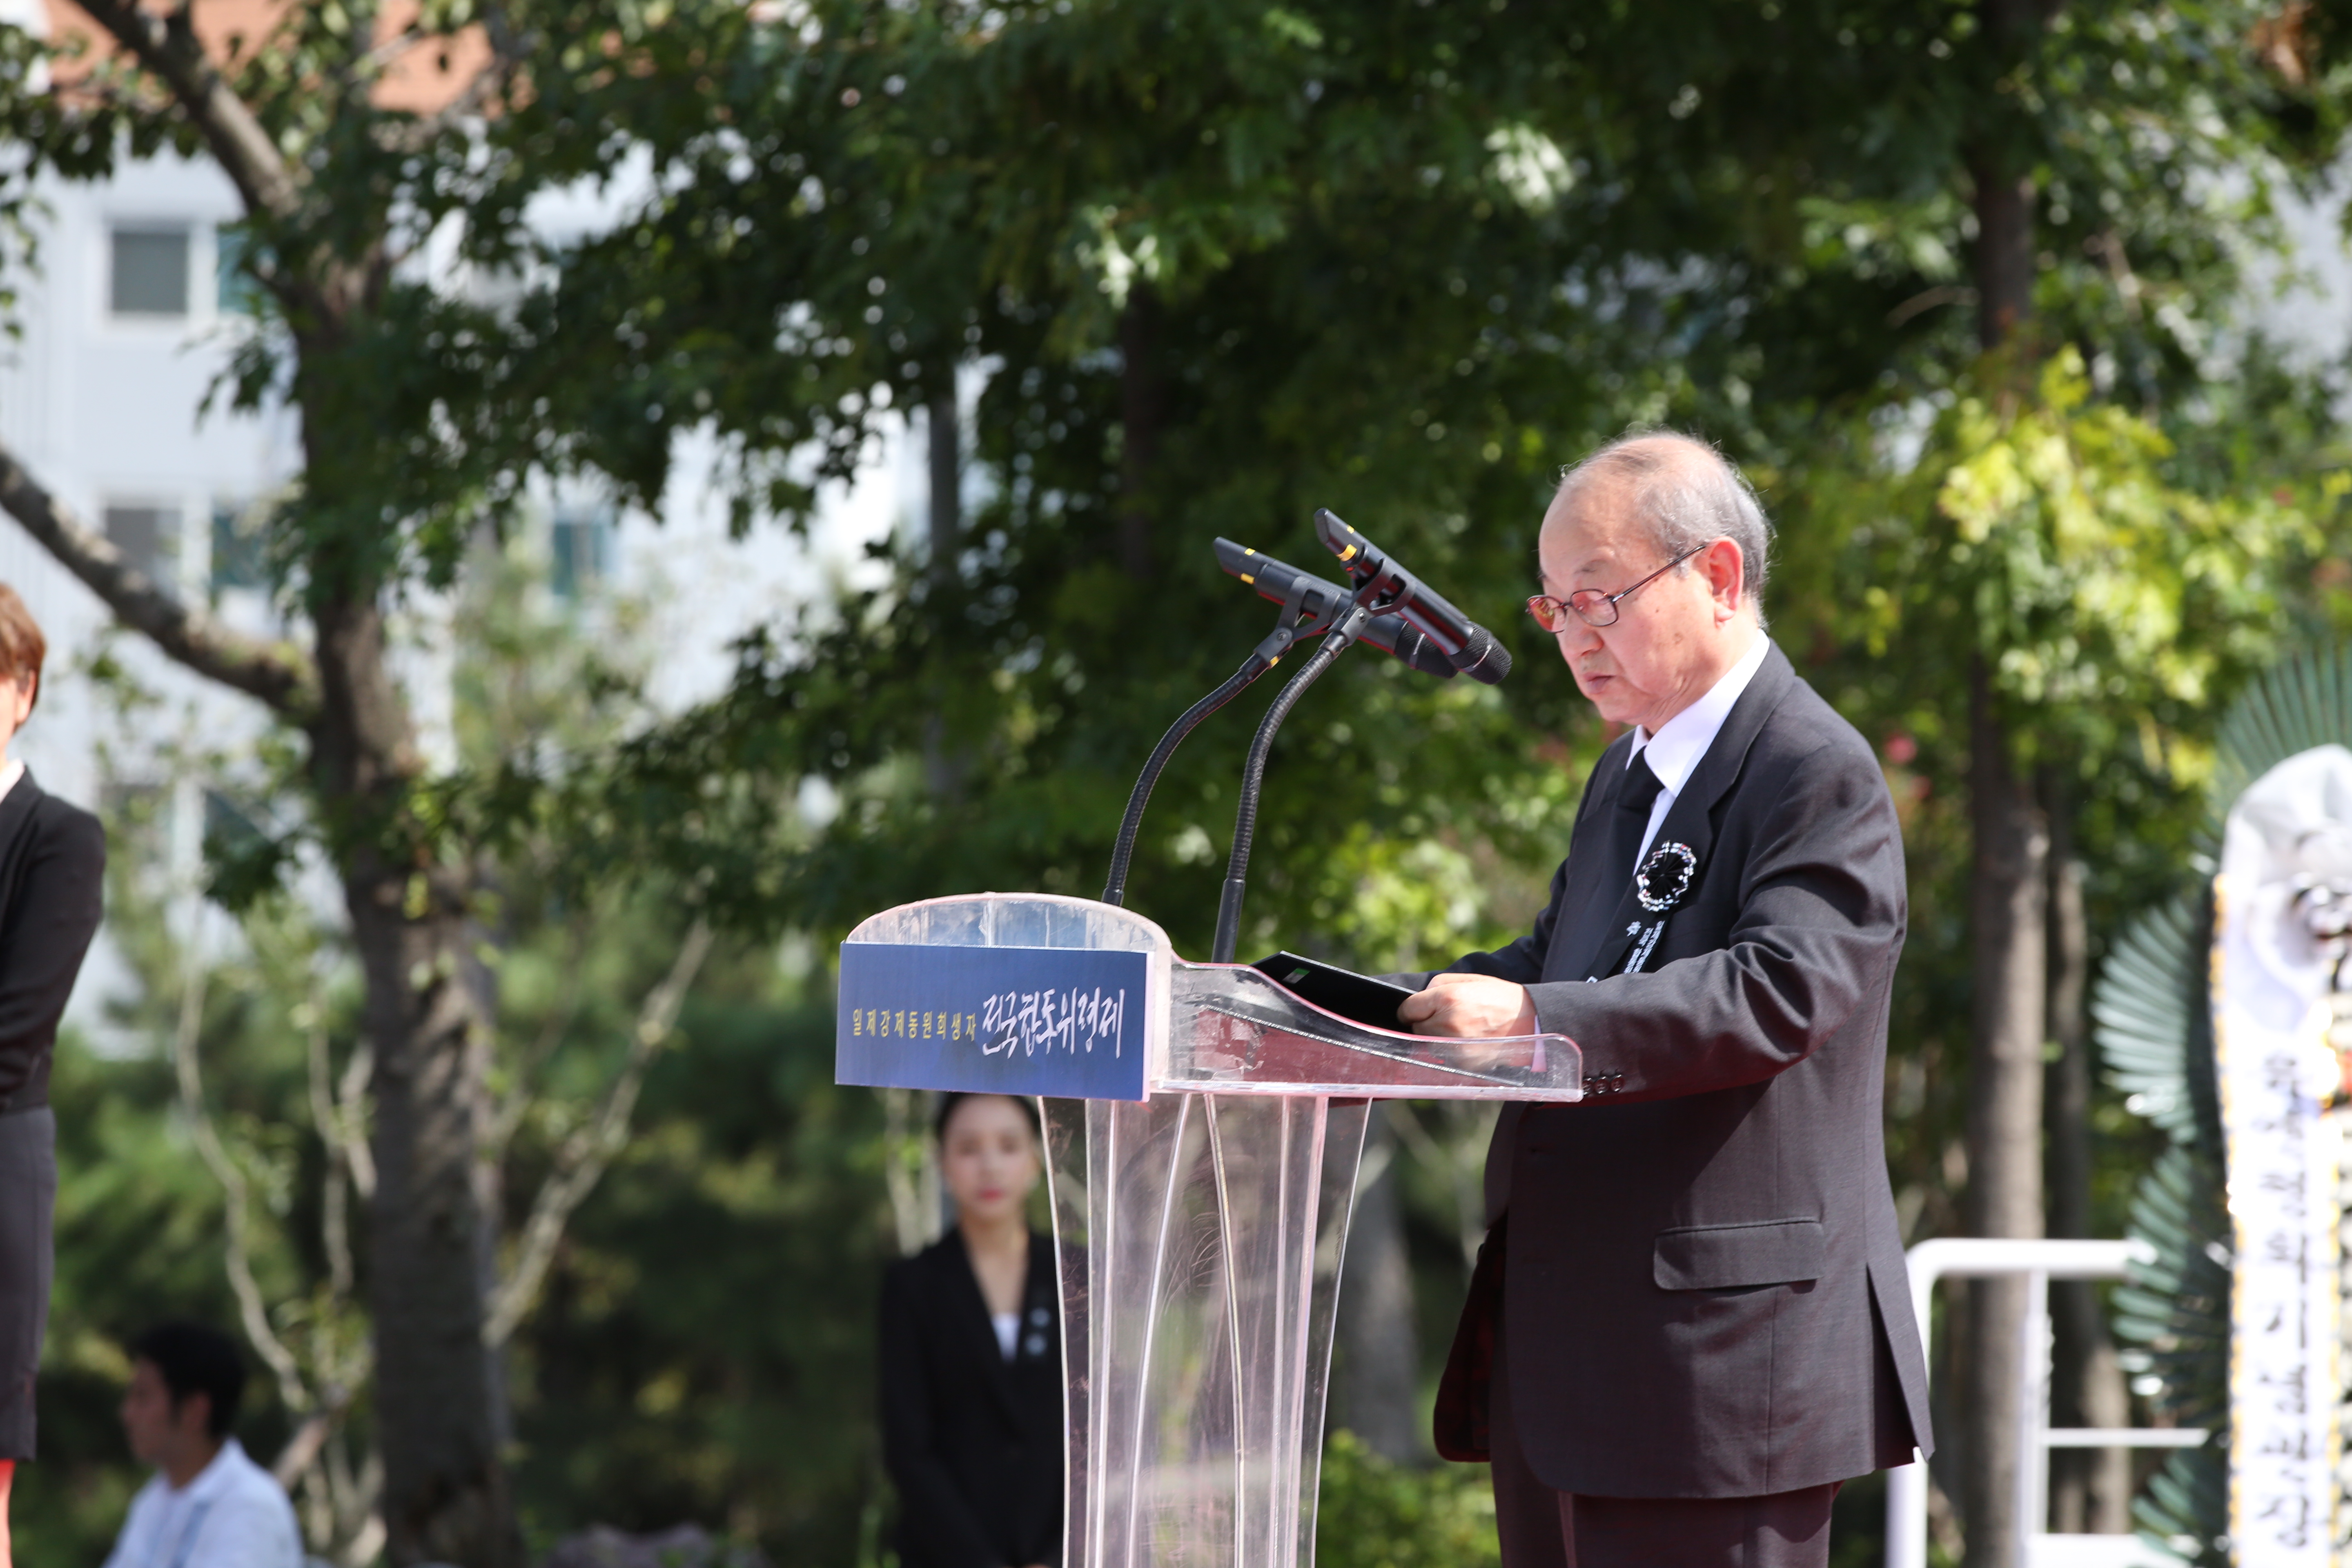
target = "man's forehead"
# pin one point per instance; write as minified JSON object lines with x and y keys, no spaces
{"x":1587,"y":528}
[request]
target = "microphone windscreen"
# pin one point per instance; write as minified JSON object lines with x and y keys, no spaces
{"x":1484,"y":659}
{"x":1400,"y":639}
{"x":1425,"y":654}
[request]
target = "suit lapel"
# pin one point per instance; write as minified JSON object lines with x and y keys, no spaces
{"x":16,"y":807}
{"x":1588,"y":854}
{"x":973,"y":1308}
{"x":17,"y":811}
{"x":1690,"y":821}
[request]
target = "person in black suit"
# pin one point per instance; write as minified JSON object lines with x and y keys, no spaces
{"x":972,"y":1358}
{"x":1691,"y":1321}
{"x":52,"y":865}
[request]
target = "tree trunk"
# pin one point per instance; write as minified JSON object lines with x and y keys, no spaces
{"x":1142,"y":409}
{"x":2007,"y":907}
{"x":2001,"y":172}
{"x":2007,"y":882}
{"x":1380,"y":1391}
{"x":942,"y":768}
{"x":2004,"y":261}
{"x":2090,"y":1488}
{"x":446,"y":1496}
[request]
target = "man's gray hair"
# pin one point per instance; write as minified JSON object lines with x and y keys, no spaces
{"x":1686,"y":494}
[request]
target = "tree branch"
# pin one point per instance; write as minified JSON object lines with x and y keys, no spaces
{"x":278,"y":673}
{"x":589,"y":1151}
{"x":302,"y":1449}
{"x":167,"y":44}
{"x":358,"y":1154}
{"x":334,"y":1225}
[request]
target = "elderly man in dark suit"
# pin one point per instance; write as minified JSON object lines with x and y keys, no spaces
{"x":1691,"y":1321}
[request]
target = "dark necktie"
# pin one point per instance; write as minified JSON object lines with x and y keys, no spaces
{"x":1635,"y":796}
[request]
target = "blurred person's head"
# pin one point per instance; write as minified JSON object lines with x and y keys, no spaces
{"x":989,"y":1156}
{"x":22,"y":650}
{"x":1668,"y":509}
{"x":186,"y":1383}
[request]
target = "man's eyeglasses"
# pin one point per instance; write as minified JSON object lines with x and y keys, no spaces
{"x":1592,"y":607}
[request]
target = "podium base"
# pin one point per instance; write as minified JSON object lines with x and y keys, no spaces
{"x":1200,"y":1237}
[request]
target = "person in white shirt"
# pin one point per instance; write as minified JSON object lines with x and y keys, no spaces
{"x":208,"y":1505}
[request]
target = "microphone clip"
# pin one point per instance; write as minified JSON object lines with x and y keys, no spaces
{"x":1295,"y":623}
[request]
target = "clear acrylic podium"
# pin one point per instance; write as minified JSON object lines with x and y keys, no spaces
{"x":1200,"y":1216}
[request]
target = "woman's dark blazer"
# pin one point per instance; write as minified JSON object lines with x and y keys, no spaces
{"x":973,"y":1441}
{"x":52,"y":864}
{"x":52,"y":867}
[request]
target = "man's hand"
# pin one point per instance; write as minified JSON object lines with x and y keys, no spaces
{"x":1470,"y":1008}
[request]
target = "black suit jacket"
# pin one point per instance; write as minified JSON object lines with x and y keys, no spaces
{"x":1705,"y":1294}
{"x":52,"y":872}
{"x":972,"y":1441}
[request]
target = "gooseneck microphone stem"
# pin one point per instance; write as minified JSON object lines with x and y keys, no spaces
{"x":1115,"y":888}
{"x":1229,"y":905}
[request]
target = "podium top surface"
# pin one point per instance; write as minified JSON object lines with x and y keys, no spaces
{"x":1031,"y":994}
{"x":1015,"y":919}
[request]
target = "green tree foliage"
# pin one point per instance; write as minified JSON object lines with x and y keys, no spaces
{"x":1377,"y":1514}
{"x":1405,"y":262}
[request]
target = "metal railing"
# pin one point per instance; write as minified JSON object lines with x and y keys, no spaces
{"x":2039,"y":1262}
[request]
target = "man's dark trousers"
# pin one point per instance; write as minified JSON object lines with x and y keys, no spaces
{"x":1703,"y":1285}
{"x":1544,"y":1529}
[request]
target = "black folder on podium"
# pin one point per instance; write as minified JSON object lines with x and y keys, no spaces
{"x":1334,"y":990}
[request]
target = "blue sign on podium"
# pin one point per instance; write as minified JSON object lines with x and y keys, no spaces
{"x":1057,"y":1021}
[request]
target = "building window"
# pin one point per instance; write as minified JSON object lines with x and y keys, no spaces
{"x":580,"y":550}
{"x":150,"y":273}
{"x":148,"y":536}
{"x":239,"y":559}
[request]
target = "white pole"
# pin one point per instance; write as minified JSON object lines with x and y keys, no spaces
{"x":1960,"y":1255}
{"x":2033,"y":1416}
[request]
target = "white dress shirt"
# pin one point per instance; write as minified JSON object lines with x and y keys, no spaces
{"x":1684,"y":739}
{"x":234,"y":1514}
{"x":9,"y":775}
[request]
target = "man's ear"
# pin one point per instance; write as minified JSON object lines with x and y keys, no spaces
{"x":1727,"y":573}
{"x":194,"y":1412}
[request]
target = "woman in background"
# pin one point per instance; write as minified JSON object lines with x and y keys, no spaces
{"x":52,"y":862}
{"x":972,"y":1358}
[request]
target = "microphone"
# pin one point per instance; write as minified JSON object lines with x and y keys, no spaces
{"x":1468,"y":646}
{"x":1324,"y":600}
